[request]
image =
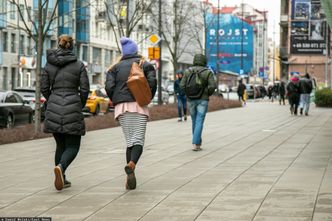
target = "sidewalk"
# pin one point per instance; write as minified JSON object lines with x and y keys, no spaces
{"x":258,"y":163}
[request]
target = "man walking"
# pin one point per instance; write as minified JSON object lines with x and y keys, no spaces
{"x":198,"y":83}
{"x":241,"y":91}
{"x":305,"y":90}
{"x":181,"y":97}
{"x":282,"y":92}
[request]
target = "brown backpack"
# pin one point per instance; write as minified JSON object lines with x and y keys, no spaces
{"x":138,"y":84}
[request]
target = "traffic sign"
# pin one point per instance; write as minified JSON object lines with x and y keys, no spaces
{"x":154,"y":53}
{"x":154,"y":39}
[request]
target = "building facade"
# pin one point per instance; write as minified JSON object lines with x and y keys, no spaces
{"x":305,"y":40}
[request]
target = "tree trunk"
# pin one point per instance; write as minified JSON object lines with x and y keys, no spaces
{"x":38,"y":68}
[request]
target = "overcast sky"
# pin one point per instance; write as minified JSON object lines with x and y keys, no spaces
{"x":272,"y":6}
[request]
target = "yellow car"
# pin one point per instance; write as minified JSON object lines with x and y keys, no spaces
{"x":97,"y":102}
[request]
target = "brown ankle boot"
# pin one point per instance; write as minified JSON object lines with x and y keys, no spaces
{"x":131,"y":179}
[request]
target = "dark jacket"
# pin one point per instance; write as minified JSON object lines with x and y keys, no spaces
{"x":293,"y":90}
{"x":282,"y":89}
{"x":305,"y":86}
{"x":240,"y":89}
{"x":67,"y":96}
{"x":177,"y":89}
{"x":116,"y":79}
{"x":199,"y":65}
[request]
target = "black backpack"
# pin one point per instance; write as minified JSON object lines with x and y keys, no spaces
{"x":195,"y":84}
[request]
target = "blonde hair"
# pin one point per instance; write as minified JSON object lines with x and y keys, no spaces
{"x":66,"y":42}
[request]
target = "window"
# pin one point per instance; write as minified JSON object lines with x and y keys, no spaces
{"x":53,"y":44}
{"x":96,"y":54}
{"x":29,"y":12}
{"x":21,"y":44}
{"x":108,"y":58}
{"x":28,"y":49}
{"x":5,"y":41}
{"x":5,"y":78}
{"x":22,"y":10}
{"x":84,"y":53}
{"x":13,"y":43}
{"x":18,"y":98}
{"x":10,"y":99}
{"x":12,"y":11}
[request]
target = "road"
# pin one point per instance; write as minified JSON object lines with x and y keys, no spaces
{"x":258,"y":164}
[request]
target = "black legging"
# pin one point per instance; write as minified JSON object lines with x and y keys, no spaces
{"x":67,"y":147}
{"x":134,"y":153}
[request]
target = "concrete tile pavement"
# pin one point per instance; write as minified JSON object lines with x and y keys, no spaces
{"x":258,"y":163}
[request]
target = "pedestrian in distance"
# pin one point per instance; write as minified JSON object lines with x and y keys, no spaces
{"x":198,"y":83}
{"x":293,"y":93}
{"x":241,"y":92}
{"x":282,"y":92}
{"x":65,"y":85}
{"x":131,"y":116}
{"x":181,"y":97}
{"x":305,"y":91}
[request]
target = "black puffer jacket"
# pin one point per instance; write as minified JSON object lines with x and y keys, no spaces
{"x":305,"y":86}
{"x":116,"y":79}
{"x":67,"y":96}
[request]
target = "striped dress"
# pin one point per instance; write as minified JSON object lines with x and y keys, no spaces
{"x":133,"y":127}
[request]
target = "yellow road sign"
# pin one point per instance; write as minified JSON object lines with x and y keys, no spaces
{"x":154,"y":53}
{"x":154,"y":39}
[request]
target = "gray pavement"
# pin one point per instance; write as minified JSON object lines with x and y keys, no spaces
{"x":258,"y":163}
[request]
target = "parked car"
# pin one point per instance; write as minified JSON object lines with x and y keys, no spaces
{"x":29,"y":95}
{"x":14,"y":110}
{"x":98,"y":101}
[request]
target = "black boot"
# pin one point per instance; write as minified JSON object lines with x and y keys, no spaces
{"x":67,"y":183}
{"x":301,"y":111}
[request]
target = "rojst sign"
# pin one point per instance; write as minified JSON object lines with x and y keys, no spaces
{"x":229,"y":32}
{"x":234,"y":38}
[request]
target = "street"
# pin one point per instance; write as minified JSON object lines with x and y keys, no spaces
{"x":258,"y":163}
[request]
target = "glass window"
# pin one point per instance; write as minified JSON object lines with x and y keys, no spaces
{"x":5,"y":78}
{"x":12,"y":11}
{"x":96,"y":53}
{"x":107,"y":57}
{"x":28,"y":49}
{"x":18,"y":98}
{"x":22,"y":10}
{"x":5,"y":41}
{"x":85,"y":53}
{"x":10,"y":99}
{"x":21,"y":43}
{"x":13,"y":43}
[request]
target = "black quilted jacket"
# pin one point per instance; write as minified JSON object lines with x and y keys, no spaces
{"x":67,"y":96}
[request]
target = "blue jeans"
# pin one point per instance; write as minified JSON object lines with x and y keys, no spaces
{"x":305,"y":102}
{"x":198,"y":109}
{"x":182,"y":102}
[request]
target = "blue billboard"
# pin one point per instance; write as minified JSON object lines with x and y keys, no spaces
{"x":235,"y":43}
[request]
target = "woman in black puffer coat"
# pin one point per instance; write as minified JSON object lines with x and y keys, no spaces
{"x":65,"y":85}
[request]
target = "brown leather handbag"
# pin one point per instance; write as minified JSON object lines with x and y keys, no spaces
{"x":138,"y":84}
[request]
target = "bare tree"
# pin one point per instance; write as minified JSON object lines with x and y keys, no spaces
{"x":124,"y":16}
{"x":178,"y":21}
{"x":37,"y":27}
{"x":202,"y":9}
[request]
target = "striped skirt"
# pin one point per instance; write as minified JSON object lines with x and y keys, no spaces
{"x":133,"y":127}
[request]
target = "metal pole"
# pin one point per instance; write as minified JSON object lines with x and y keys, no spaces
{"x":274,"y":53}
{"x":242,"y":40}
{"x":217,"y":65}
{"x":327,"y":55}
{"x":160,"y":59}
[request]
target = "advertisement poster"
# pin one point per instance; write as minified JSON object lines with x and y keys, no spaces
{"x":235,"y":43}
{"x":309,"y":30}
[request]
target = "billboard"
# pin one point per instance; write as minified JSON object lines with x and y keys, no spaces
{"x":309,"y":30}
{"x":235,"y":43}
